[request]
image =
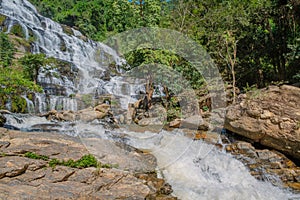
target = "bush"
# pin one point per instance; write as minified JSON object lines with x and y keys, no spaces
{"x":7,"y":50}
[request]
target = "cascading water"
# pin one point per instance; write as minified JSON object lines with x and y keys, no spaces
{"x":195,"y":170}
{"x":89,"y":59}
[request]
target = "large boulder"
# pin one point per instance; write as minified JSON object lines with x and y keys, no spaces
{"x":270,"y":116}
{"x":86,"y":115}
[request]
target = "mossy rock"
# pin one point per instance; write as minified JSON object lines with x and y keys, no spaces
{"x":63,"y":46}
{"x":17,"y":30}
{"x":68,"y":30}
{"x":2,"y":120}
{"x":2,"y":19}
{"x":22,"y":42}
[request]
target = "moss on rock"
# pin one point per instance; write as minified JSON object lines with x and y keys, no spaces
{"x":17,"y":30}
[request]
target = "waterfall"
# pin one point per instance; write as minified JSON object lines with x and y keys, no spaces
{"x":195,"y":170}
{"x":89,"y":59}
{"x":29,"y":103}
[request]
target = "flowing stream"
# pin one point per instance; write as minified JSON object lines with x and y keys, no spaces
{"x":195,"y":169}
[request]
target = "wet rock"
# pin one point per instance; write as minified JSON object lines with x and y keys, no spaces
{"x":269,"y":116}
{"x":86,"y":115}
{"x":267,"y":165}
{"x":2,"y":120}
{"x":194,"y":122}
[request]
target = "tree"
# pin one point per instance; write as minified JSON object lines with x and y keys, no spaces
{"x":7,"y":50}
{"x":32,"y":63}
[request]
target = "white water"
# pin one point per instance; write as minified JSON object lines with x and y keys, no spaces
{"x":194,"y":169}
{"x":89,"y":57}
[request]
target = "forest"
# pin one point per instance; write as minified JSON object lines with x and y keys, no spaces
{"x":254,"y":42}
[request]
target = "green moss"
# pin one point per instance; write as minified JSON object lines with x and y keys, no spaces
{"x":87,"y":99}
{"x":3,"y":154}
{"x":17,"y":30}
{"x":84,"y":162}
{"x":36,"y":156}
{"x":30,"y":96}
{"x":2,"y":19}
{"x":68,"y":30}
{"x":22,"y":42}
{"x":63,"y":47}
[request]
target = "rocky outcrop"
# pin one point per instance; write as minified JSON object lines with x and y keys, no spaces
{"x":23,"y":177}
{"x":86,"y":115}
{"x":267,"y":165}
{"x":269,"y":116}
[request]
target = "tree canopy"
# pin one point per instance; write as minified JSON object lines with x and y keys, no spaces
{"x":252,"y":42}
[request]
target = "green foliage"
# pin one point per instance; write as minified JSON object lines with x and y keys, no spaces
{"x":12,"y":86}
{"x":253,"y":41}
{"x":84,"y":162}
{"x":248,"y":88}
{"x":99,"y":19}
{"x":205,"y":108}
{"x":36,"y":156}
{"x":165,"y":63}
{"x":18,"y":104}
{"x":17,"y":30}
{"x":173,"y":109}
{"x":296,"y":77}
{"x":2,"y":19}
{"x":31,"y":64}
{"x":87,"y":99}
{"x":7,"y":50}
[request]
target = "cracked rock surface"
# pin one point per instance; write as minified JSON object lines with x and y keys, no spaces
{"x":270,"y":116}
{"x":26,"y":178}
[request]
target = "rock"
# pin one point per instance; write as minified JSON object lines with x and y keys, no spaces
{"x":267,"y":165}
{"x":5,"y":112}
{"x":88,"y":116}
{"x":269,"y":116}
{"x":2,"y":120}
{"x":68,"y":116}
{"x":150,"y":121}
{"x":104,"y":108}
{"x":26,"y":178}
{"x":194,"y":122}
{"x":175,"y":123}
{"x":131,"y":112}
{"x":126,"y":157}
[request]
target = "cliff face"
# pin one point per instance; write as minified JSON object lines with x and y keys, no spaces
{"x":269,"y":116}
